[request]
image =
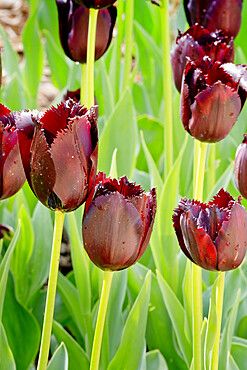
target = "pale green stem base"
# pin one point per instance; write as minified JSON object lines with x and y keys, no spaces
{"x":199,"y":167}
{"x":101,"y":320}
{"x":129,"y":13}
{"x":220,"y":295}
{"x":93,"y":15}
{"x":83,"y":94}
{"x":51,"y":291}
{"x":167,"y":88}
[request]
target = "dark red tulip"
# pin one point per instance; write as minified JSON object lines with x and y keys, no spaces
{"x":6,"y":231}
{"x":240,"y":170}
{"x":213,"y":235}
{"x":118,"y":223}
{"x":215,"y":15}
{"x":59,"y":151}
{"x":12,"y":176}
{"x":212,"y":97}
{"x":73,"y":29}
{"x":196,"y":43}
{"x":97,"y":4}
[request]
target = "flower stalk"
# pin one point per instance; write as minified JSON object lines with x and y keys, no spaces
{"x":51,"y":291}
{"x":128,"y":41}
{"x":95,"y":357}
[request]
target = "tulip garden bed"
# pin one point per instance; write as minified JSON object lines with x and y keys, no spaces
{"x":123,"y":229}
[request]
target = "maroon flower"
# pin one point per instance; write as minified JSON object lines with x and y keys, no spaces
{"x":212,"y":97}
{"x":73,"y":29}
{"x":97,"y":4}
{"x":118,"y":223}
{"x":12,"y":176}
{"x":215,"y":15}
{"x":59,"y":151}
{"x":240,"y":171}
{"x":196,"y":43}
{"x":213,"y":235}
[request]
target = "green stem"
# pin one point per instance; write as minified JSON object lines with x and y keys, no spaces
{"x":91,"y":37}
{"x":128,"y":42}
{"x":167,"y":87}
{"x":51,"y":291}
{"x":220,"y":295}
{"x":211,"y":168}
{"x":83,"y":94}
{"x":120,"y":31}
{"x":200,"y":159}
{"x":101,"y":320}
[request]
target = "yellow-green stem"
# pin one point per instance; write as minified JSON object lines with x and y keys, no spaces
{"x":51,"y":291}
{"x":83,"y":94}
{"x":211,"y":168}
{"x":200,"y":159}
{"x":120,"y":32}
{"x":101,"y":320}
{"x":129,"y":13}
{"x":167,"y":87}
{"x":93,"y":15}
{"x":219,"y":305}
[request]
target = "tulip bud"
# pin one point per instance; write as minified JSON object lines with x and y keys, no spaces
{"x":12,"y":176}
{"x":196,"y":43}
{"x":97,"y":4}
{"x":213,"y":235}
{"x":73,"y":29}
{"x":59,"y":151}
{"x":118,"y":223}
{"x":212,"y":97}
{"x":240,"y":170}
{"x":215,"y":15}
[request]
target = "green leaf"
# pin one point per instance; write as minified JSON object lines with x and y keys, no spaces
{"x":187,"y":299}
{"x":226,"y":339}
{"x":4,"y":268}
{"x":121,"y":133}
{"x":10,"y":58}
{"x":22,"y":329}
{"x":59,"y":359}
{"x":239,"y":354}
{"x":130,"y":350}
{"x":155,"y":360}
{"x":223,"y":181}
{"x":106,"y":89}
{"x":6,"y":356}
{"x":77,"y":357}
{"x":177,"y":316}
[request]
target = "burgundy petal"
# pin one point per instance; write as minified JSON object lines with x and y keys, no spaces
{"x":240,"y":170}
{"x":55,"y":120}
{"x":4,"y":110}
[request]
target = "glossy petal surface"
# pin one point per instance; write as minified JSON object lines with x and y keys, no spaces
{"x":240,"y":170}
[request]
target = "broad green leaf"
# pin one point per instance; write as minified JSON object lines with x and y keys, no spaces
{"x":121,"y":133}
{"x":232,"y":364}
{"x":187,"y":299}
{"x":59,"y":359}
{"x":77,"y":357}
{"x":22,"y":255}
{"x":106,"y":89}
{"x":155,"y":360}
{"x":4,"y":268}
{"x":6,"y":356}
{"x":239,"y":354}
{"x":130,"y":349}
{"x":22,"y":329}
{"x":10,"y":60}
{"x":12,"y":100}
{"x":226,"y":339}
{"x":177,"y":316}
{"x":223,"y":181}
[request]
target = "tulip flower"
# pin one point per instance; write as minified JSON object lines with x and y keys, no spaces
{"x":73,"y":29}
{"x":215,"y":15}
{"x":11,"y":170}
{"x":59,"y":151}
{"x":97,"y":4}
{"x":240,"y":170}
{"x":212,"y":235}
{"x":196,"y":43}
{"x":118,"y":223}
{"x":212,"y":97}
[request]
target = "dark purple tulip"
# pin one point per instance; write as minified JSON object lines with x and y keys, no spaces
{"x":12,"y":176}
{"x":59,"y":151}
{"x":213,"y":235}
{"x":212,"y":97}
{"x":240,"y":170}
{"x":97,"y":4}
{"x":117,"y":224}
{"x":73,"y":29}
{"x":6,"y":231}
{"x":215,"y":15}
{"x":196,"y":43}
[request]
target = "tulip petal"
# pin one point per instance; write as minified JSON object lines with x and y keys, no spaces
{"x":55,"y":120}
{"x":214,"y":113}
{"x":240,"y":171}
{"x":231,"y":241}
{"x":4,"y":110}
{"x":71,"y":170}
{"x":112,"y":231}
{"x":42,"y":172}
